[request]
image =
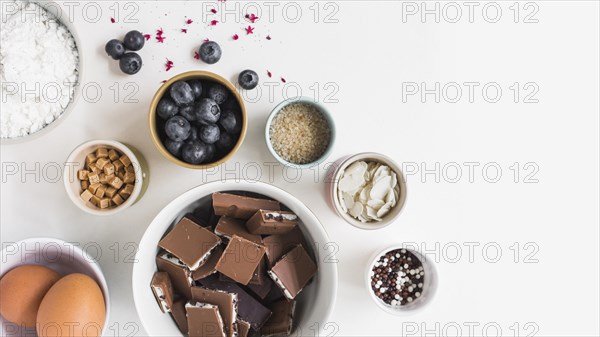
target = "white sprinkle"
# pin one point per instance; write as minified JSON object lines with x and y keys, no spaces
{"x":403,"y":251}
{"x":412,"y":272}
{"x":397,"y":297}
{"x":410,"y":289}
{"x":418,"y":277}
{"x":409,"y":299}
{"x":377,"y":286}
{"x":398,"y":287}
{"x":394,"y":302}
{"x":420,"y":285}
{"x":384,"y":264}
{"x":385,"y":260}
{"x":422,"y":273}
{"x":417,"y":294}
{"x":406,"y":266}
{"x":398,"y":255}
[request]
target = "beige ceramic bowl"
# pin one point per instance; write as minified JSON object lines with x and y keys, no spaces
{"x":195,"y":75}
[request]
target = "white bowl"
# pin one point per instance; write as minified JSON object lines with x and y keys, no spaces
{"x":316,"y":301}
{"x":429,"y":284}
{"x":76,"y":161}
{"x":61,"y":256}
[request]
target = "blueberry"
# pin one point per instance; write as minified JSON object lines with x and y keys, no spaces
{"x":212,"y":151}
{"x":225,"y":142}
{"x":182,"y":93}
{"x":207,"y":111}
{"x":230,"y":104}
{"x":130,"y":63}
{"x":195,"y":152}
{"x":194,"y":134}
{"x":196,"y":88}
{"x":248,"y":79}
{"x":218,"y":92}
{"x":173,"y":147}
{"x":230,"y":122}
{"x":188,"y":113}
{"x":134,"y":40}
{"x":210,"y":52}
{"x":166,"y":108}
{"x":178,"y":128}
{"x":115,"y":49}
{"x":209,"y":133}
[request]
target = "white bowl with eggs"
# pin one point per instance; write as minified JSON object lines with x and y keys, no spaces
{"x":62,"y":257}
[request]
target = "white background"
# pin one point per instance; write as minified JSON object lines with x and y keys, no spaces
{"x":368,"y":54}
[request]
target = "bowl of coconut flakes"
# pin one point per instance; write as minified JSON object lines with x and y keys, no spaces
{"x":39,"y":69}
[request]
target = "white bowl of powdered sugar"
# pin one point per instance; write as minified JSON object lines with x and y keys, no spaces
{"x":39,"y":68}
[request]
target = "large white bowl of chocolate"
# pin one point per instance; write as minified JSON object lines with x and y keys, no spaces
{"x":234,"y":259}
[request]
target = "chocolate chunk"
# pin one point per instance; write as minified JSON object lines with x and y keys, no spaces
{"x":163,"y":290}
{"x":277,"y":245}
{"x":262,"y":290}
{"x":208,"y":268}
{"x":240,"y":259}
{"x":293,"y":271}
{"x":228,"y":227}
{"x":180,"y":316}
{"x":271,"y":222}
{"x":204,"y":320}
{"x":196,"y":219}
{"x":225,"y":301}
{"x":190,"y":242}
{"x":243,"y":328}
{"x":274,"y":295}
{"x":260,"y":273}
{"x":281,"y":322}
{"x":241,"y":207}
{"x":249,"y":309}
{"x":180,"y":276}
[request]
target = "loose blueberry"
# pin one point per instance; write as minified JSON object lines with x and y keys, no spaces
{"x":219,"y":93}
{"x":248,"y":79}
{"x":178,"y":128}
{"x":196,"y":86}
{"x":225,"y":142}
{"x":115,"y":49}
{"x":166,"y":108}
{"x":230,"y":122}
{"x":182,"y":93}
{"x":207,"y":111}
{"x":130,"y":63}
{"x":173,"y":147}
{"x":134,"y":40}
{"x":209,"y":133}
{"x":195,"y":152}
{"x":210,"y":52}
{"x":188,"y":113}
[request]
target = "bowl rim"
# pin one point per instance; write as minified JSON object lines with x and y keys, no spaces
{"x":206,"y":189}
{"x":189,"y":75}
{"x":137,"y":187}
{"x":326,"y":113}
{"x":387,"y":219}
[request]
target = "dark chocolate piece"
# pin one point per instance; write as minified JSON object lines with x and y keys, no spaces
{"x":240,"y":259}
{"x":225,"y":301}
{"x":293,"y":271}
{"x":249,"y":309}
{"x":190,"y":242}
{"x":228,"y":227}
{"x":180,"y":316}
{"x":163,"y":290}
{"x":266,"y":222}
{"x":281,"y":322}
{"x":208,"y":268}
{"x":204,"y":320}
{"x":262,"y":290}
{"x":260,"y":273}
{"x":180,"y":276}
{"x":241,"y":207}
{"x":243,"y":328}
{"x":277,"y":245}
{"x":274,"y":295}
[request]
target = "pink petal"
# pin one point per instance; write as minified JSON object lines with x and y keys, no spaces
{"x":147,"y":36}
{"x":235,"y":36}
{"x":269,"y":74}
{"x":249,"y":30}
{"x":196,"y":55}
{"x":214,"y":11}
{"x":214,"y":22}
{"x":189,"y":21}
{"x":112,"y":20}
{"x":183,"y":30}
{"x":268,"y":37}
{"x":283,"y":80}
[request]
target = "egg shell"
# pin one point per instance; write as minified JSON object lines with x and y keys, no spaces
{"x":22,"y":290}
{"x":74,"y":306}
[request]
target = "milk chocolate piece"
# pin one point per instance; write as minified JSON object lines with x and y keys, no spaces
{"x":277,"y":245}
{"x":266,"y":222}
{"x":163,"y":290}
{"x":240,"y":259}
{"x":208,"y":268}
{"x":241,"y":207}
{"x":204,"y":320}
{"x":249,"y":309}
{"x":260,"y":273}
{"x":180,"y":316}
{"x":190,"y":243}
{"x":180,"y":276}
{"x":225,"y":301}
{"x":281,"y":322}
{"x":228,"y":227}
{"x":243,"y":328}
{"x":293,"y":271}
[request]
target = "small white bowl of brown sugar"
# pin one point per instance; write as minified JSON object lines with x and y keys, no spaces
{"x":300,"y":133}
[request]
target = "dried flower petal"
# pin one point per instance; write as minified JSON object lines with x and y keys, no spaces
{"x":112,"y":20}
{"x":163,"y":81}
{"x":251,"y":17}
{"x":214,"y":11}
{"x":249,"y":30}
{"x":189,"y":21}
{"x":169,"y":65}
{"x":235,"y":36}
{"x":268,"y":37}
{"x":183,"y":30}
{"x":196,"y":55}
{"x":206,"y":40}
{"x":269,"y":74}
{"x":283,"y":80}
{"x":214,"y":22}
{"x":147,"y":36}
{"x":159,"y":35}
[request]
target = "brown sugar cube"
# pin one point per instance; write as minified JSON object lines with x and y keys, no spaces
{"x":121,"y":175}
{"x":110,"y":191}
{"x":126,"y":191}
{"x":101,"y":152}
{"x":117,"y":200}
{"x":102,"y":178}
{"x":85,"y":184}
{"x":104,"y":203}
{"x":90,"y":159}
{"x":109,"y":169}
{"x":125,"y":160}
{"x":129,"y":178}
{"x":113,"y":155}
{"x":86,"y":195}
{"x":101,"y":162}
{"x":130,"y":168}
{"x":116,"y":182}
{"x":82,"y":174}
{"x":95,"y":200}
{"x":94,"y":187}
{"x":94,"y":178}
{"x":110,"y":178}
{"x":118,"y":166}
{"x":100,"y":191}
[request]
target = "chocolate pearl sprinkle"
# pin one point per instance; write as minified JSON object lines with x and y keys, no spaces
{"x":396,"y":276}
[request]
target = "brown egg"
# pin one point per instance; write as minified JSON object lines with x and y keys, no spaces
{"x":22,"y":290}
{"x":74,"y":306}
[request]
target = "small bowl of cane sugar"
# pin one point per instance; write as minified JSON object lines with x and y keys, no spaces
{"x":300,"y":133}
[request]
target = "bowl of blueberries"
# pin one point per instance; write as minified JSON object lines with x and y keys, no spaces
{"x":197,"y":120}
